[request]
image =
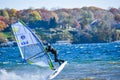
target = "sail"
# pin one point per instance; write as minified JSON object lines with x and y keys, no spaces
{"x":31,"y":48}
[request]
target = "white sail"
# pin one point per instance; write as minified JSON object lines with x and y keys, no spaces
{"x":31,"y":48}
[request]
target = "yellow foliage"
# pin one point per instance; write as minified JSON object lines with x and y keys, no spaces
{"x":2,"y":25}
{"x":36,"y":15}
{"x":53,"y":14}
{"x":13,"y":12}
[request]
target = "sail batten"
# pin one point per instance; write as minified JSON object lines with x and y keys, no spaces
{"x":31,"y":48}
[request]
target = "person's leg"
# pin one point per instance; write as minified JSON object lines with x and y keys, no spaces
{"x":61,"y":60}
{"x":56,"y":59}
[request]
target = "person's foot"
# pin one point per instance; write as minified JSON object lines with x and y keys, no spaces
{"x":62,"y":61}
{"x":53,"y":68}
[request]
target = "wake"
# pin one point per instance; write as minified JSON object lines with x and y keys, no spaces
{"x":15,"y":75}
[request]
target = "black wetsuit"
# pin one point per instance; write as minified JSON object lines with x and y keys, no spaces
{"x":53,"y":51}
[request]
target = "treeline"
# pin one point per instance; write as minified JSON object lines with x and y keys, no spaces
{"x":79,"y":25}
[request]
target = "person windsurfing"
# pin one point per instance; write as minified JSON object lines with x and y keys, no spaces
{"x":54,"y":52}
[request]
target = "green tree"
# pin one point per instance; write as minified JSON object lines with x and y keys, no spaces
{"x":52,"y":23}
{"x":5,"y":14}
{"x":53,"y":14}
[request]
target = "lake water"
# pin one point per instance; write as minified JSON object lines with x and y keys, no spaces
{"x":85,"y":62}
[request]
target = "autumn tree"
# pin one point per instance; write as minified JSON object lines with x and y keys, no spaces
{"x":54,"y":15}
{"x":5,"y":14}
{"x":2,"y":25}
{"x":45,"y":14}
{"x":117,"y":17}
{"x":12,"y":12}
{"x":34,"y":15}
{"x":86,"y":19}
{"x":103,"y":32}
{"x":114,"y":10}
{"x":76,"y":24}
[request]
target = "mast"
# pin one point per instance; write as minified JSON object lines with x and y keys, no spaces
{"x":18,"y":44}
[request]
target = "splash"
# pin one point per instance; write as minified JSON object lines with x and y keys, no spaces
{"x":5,"y":75}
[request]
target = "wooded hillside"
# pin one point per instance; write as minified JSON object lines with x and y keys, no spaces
{"x":78,"y":25}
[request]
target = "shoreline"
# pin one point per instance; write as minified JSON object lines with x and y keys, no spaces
{"x":9,"y":44}
{"x":14,"y":43}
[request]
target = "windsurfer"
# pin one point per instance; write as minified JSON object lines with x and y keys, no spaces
{"x":53,"y":51}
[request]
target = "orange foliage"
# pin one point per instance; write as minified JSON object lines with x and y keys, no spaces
{"x":2,"y":18}
{"x":2,"y":25}
{"x":5,"y":20}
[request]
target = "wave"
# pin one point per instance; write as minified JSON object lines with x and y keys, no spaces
{"x":5,"y":75}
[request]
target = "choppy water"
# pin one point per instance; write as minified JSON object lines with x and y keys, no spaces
{"x":85,"y":62}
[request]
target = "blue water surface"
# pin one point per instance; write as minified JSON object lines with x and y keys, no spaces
{"x":99,"y":61}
